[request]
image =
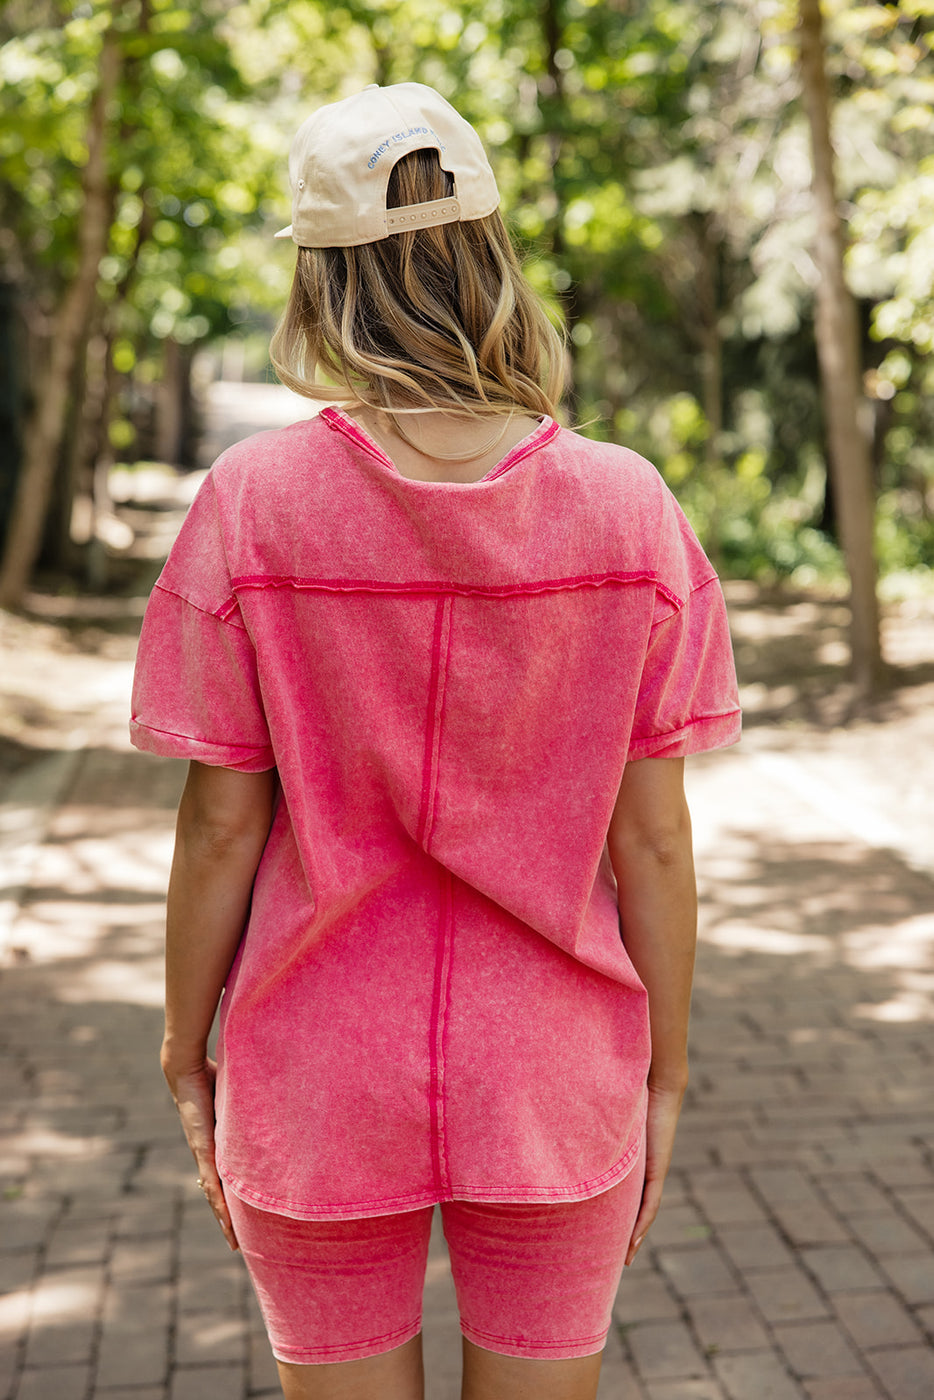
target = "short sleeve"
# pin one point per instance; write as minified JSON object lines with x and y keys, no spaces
{"x":196,"y":691}
{"x":688,"y":700}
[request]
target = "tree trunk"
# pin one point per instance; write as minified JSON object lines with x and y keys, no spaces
{"x":170,"y":404}
{"x":552,"y":101}
{"x":710,"y":339}
{"x":43,"y":437}
{"x":12,"y":397}
{"x":838,"y":351}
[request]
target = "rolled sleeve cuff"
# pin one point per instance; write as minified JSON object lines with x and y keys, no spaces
{"x":697,"y":736}
{"x":242,"y":757}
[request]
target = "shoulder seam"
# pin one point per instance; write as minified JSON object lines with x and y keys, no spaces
{"x":221,"y":614}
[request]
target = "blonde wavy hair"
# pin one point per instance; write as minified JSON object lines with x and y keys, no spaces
{"x":435,"y":318}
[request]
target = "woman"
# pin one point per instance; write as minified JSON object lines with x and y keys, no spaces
{"x":436,"y":663}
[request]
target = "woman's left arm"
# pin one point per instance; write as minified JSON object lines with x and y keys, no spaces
{"x":223,"y":822}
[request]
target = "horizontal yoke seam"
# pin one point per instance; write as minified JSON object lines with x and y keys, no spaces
{"x":436,"y":586}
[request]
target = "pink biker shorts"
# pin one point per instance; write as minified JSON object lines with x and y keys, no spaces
{"x":531,"y":1280}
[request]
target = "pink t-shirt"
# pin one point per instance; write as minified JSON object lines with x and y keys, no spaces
{"x":432,"y":999}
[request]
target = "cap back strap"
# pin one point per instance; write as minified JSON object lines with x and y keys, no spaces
{"x":436,"y":211}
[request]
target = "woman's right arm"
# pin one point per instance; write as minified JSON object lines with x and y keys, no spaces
{"x":649,"y":842}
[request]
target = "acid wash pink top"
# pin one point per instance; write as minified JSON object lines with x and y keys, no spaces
{"x":432,"y":999}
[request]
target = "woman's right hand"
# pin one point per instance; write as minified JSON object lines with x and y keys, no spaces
{"x":192,"y":1088}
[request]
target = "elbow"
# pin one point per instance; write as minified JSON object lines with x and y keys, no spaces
{"x":218,"y":842}
{"x":217,"y":835}
{"x":664,"y":844}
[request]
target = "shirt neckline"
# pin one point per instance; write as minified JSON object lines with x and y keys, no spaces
{"x":543,"y":432}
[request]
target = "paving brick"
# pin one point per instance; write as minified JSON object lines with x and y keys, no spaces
{"x":146,"y":1392}
{"x":782,"y":1186}
{"x":681,"y":1390}
{"x":9,"y":1363}
{"x":54,"y":1342}
{"x":25,"y":1224}
{"x":643,"y":1297}
{"x":876,"y":1319}
{"x":817,"y":1349}
{"x":810,"y":1222}
{"x":95,"y":1180}
{"x":665,"y":1349}
{"x":757,"y":1246}
{"x":738,"y":1149}
{"x":783,"y":1295}
{"x":900,"y":1170}
{"x":17,"y":1272}
{"x":726,"y":1199}
{"x":201,"y":1241}
{"x":906,"y":1373}
{"x":617,"y":1377}
{"x":139,"y":1219}
{"x":261,"y":1365}
{"x":912,"y":1275}
{"x":65,"y":1304}
{"x":696,"y":1271}
{"x":757,"y":1375}
{"x":224,"y":1283}
{"x":738,"y":1086}
{"x":79,"y":1242}
{"x":679,"y":1224}
{"x":210,"y":1337}
{"x":854,"y":1194}
{"x":207,"y":1383}
{"x":693,"y":1149}
{"x":783,"y":1137}
{"x":54,"y":1383}
{"x":887,"y":1233}
{"x":920,"y":1206}
{"x":135,"y":1338}
{"x":843,"y":1388}
{"x":841,"y":1269}
{"x":728,"y":1323}
{"x":925,"y":1318}
{"x":142,"y":1260}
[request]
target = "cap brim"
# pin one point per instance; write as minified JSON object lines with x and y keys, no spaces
{"x":284,"y":232}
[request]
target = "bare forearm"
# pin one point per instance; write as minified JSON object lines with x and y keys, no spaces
{"x":223,"y":823}
{"x":650,"y":848}
{"x":207,"y":906}
{"x":658,"y":913}
{"x":649,"y":842}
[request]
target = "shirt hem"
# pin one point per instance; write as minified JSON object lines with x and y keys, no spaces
{"x":430,"y":1196}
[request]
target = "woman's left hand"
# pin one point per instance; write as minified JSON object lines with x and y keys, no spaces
{"x":662,"y":1121}
{"x":193,"y":1092}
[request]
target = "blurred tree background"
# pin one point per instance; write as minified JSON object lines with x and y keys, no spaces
{"x":655,"y":161}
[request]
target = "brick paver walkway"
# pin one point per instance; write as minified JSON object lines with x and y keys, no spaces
{"x":794,"y":1258}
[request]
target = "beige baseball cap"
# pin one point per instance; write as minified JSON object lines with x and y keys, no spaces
{"x":343,"y":155}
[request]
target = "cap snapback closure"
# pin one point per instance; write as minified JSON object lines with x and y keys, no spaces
{"x":435,"y":211}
